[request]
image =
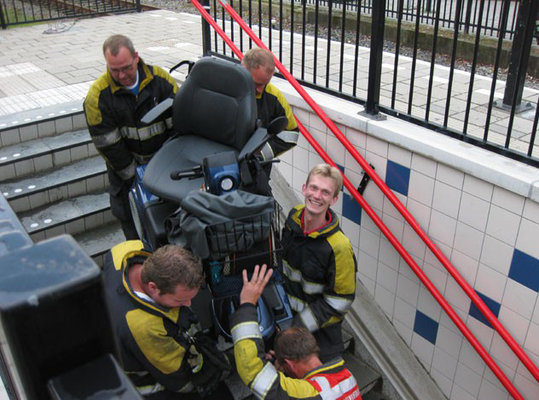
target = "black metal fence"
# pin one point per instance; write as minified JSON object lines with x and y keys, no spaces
{"x":464,"y":86}
{"x":16,"y":12}
{"x":443,"y":13}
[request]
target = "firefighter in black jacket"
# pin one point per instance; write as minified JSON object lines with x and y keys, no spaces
{"x":318,"y":262}
{"x":114,"y":106}
{"x":149,"y":297}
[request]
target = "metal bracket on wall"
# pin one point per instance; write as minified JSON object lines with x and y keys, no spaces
{"x":364,"y":181}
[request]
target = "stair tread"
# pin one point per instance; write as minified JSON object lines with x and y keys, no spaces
{"x":64,"y":211}
{"x":100,"y":240}
{"x":365,"y":376}
{"x":56,"y":177}
{"x":41,"y":146}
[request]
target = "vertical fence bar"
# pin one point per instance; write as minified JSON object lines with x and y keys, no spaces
{"x":432,"y":60}
{"x":375,"y":60}
{"x":453,"y":59}
{"x":206,"y":33}
{"x":472,"y":72}
{"x":414,"y":60}
{"x":397,"y":52}
{"x":303,"y":34}
{"x":328,"y":47}
{"x":343,"y":39}
{"x":315,"y":59}
{"x":356,"y":50}
{"x":291,"y":69}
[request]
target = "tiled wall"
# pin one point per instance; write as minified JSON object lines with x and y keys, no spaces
{"x":488,"y":232}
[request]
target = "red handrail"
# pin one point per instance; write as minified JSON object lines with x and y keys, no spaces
{"x":456,"y":319}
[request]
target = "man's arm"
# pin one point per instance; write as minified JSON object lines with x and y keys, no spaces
{"x":338,"y":293}
{"x":256,"y":372}
{"x":105,"y":133}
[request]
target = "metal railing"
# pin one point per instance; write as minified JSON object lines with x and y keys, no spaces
{"x":17,"y":12}
{"x":431,"y":12}
{"x":419,"y":74}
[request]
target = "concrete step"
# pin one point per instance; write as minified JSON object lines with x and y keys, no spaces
{"x":33,"y":124}
{"x":35,"y":156}
{"x":97,"y":242}
{"x":75,"y":179}
{"x":71,"y":216}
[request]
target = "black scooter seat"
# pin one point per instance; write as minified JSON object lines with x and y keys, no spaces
{"x":181,"y":153}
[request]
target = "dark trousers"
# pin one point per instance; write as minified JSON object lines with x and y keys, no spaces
{"x":119,"y":204}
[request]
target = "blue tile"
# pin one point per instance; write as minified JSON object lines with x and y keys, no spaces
{"x":397,"y":177}
{"x":351,"y":208}
{"x":525,"y":270}
{"x":426,"y":327}
{"x":493,"y":305}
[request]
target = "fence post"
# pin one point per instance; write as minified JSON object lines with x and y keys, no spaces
{"x":206,"y":33}
{"x":2,"y":17}
{"x":139,"y":8}
{"x":520,"y":53}
{"x":375,"y":61}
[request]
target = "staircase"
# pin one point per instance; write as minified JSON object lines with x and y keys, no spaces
{"x":54,"y":180}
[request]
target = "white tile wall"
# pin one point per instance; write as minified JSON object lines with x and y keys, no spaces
{"x":474,"y":223}
{"x":474,"y":211}
{"x":503,"y":225}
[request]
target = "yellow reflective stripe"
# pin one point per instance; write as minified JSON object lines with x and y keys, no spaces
{"x":128,"y":172}
{"x":288,"y":136}
{"x":338,"y":303}
{"x":246,"y":330}
{"x":295,"y":275}
{"x":308,"y":319}
{"x":264,"y":380}
{"x":107,"y":139}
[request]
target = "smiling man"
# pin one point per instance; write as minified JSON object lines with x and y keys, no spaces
{"x":114,"y":106}
{"x":149,"y":298}
{"x":318,"y":262}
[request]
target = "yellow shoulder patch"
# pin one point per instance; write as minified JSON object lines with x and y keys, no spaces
{"x":91,"y":103}
{"x":162,"y":351}
{"x":122,"y":249}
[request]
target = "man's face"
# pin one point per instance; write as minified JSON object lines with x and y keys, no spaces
{"x":261,"y":77}
{"x":319,"y":194}
{"x":123,"y":66}
{"x":182,"y":296}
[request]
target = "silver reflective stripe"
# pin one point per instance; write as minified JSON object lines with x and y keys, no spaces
{"x":107,"y":139}
{"x":288,"y":136}
{"x":339,"y":390}
{"x":144,"y":133}
{"x":267,"y":152}
{"x":168,"y":123}
{"x":296,"y":304}
{"x":246,"y":330}
{"x":128,"y":172}
{"x":295,"y":276}
{"x":338,"y":303}
{"x":264,"y":380}
{"x":307,"y":317}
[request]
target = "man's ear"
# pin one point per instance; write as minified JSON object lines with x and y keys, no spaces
{"x":153,"y":289}
{"x":290,"y":368}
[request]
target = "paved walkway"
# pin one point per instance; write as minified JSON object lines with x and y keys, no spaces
{"x":40,"y":69}
{"x":50,"y":64}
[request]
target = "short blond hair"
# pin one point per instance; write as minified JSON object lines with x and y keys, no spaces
{"x":257,"y":57}
{"x":327,"y":171}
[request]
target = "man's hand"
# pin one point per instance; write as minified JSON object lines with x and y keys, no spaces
{"x":252,"y":289}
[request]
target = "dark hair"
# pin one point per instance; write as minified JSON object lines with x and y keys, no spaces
{"x":257,"y":57}
{"x":295,"y":344}
{"x":115,"y":42}
{"x":170,"y":266}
